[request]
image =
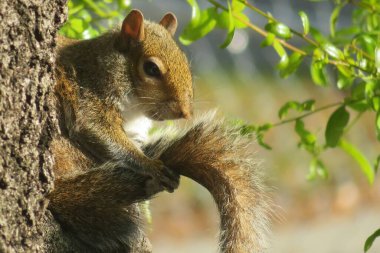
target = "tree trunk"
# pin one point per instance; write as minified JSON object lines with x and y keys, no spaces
{"x":27,"y":41}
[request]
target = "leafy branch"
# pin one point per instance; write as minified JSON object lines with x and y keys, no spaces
{"x":353,"y":55}
{"x":88,"y":18}
{"x":282,"y":122}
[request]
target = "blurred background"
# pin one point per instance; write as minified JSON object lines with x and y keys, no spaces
{"x":324,"y":216}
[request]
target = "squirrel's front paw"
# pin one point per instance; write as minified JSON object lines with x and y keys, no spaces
{"x":162,"y":177}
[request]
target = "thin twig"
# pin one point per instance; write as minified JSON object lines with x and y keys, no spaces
{"x":307,"y":114}
{"x":258,"y":29}
{"x":283,"y":42}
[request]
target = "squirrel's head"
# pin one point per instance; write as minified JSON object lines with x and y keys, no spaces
{"x":161,"y":76}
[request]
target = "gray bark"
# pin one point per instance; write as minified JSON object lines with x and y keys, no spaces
{"x":27,"y":41}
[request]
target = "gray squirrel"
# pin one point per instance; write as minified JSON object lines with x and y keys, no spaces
{"x":108,"y":90}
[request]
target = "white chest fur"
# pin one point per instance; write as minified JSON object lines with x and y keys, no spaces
{"x":135,"y":124}
{"x":138,"y":128}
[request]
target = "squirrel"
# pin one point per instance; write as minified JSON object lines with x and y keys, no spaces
{"x":107,"y":91}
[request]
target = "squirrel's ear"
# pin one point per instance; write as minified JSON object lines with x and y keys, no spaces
{"x":169,"y":21}
{"x":133,"y":26}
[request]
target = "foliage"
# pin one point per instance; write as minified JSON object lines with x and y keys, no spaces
{"x":347,"y":59}
{"x":89,"y":18}
{"x":370,"y":240}
{"x":351,"y":54}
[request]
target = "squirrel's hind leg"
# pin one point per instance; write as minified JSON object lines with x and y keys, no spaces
{"x":98,"y":209}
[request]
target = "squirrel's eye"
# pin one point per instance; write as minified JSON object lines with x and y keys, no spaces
{"x":151,"y":69}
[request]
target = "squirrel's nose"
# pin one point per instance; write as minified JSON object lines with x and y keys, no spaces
{"x":186,"y":113}
{"x":181,"y":110}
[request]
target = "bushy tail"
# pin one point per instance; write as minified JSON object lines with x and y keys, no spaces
{"x":215,"y":155}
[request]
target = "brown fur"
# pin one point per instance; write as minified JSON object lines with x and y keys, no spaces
{"x":96,"y":77}
{"x":102,"y":176}
{"x":210,"y":152}
{"x":216,"y":156}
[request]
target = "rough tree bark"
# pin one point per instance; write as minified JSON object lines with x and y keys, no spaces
{"x":27,"y":41}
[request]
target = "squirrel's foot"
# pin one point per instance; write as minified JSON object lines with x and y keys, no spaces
{"x":160,"y":177}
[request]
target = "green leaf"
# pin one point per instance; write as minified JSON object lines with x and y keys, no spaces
{"x":322,"y":171}
{"x":320,"y":56}
{"x":264,"y":127}
{"x":231,"y":28}
{"x":85,"y":16}
{"x":123,"y":3}
{"x":247,"y":129}
{"x":186,"y":37}
{"x":370,"y":240}
{"x":295,"y":60}
{"x":345,"y":71}
{"x":345,"y":34}
{"x":285,"y":108}
{"x":378,"y":125}
{"x":237,"y":6}
{"x":260,"y":135}
{"x":74,"y":9}
{"x":280,"y":29}
{"x":344,"y":81}
{"x":377,"y":58}
{"x":268,"y":40}
{"x":239,"y":24}
{"x":70,"y":4}
{"x":370,"y":88}
{"x":279,"y":48}
{"x":230,"y":36}
{"x":308,"y":105}
{"x":376,"y":104}
{"x":305,"y":22}
{"x":90,"y":33}
{"x":317,"y":35}
{"x":317,"y":168}
{"x":222,"y":20}
{"x":334,"y":18}
{"x":77,"y":25}
{"x":377,"y":164}
{"x":335,"y":126}
{"x":364,"y":63}
{"x":318,"y":73}
{"x":260,"y":141}
{"x":372,"y":21}
{"x":359,"y":158}
{"x":199,"y":27}
{"x":366,"y":42}
{"x":360,"y":106}
{"x":70,"y":33}
{"x":357,"y":91}
{"x":195,"y":11}
{"x":284,"y":60}
{"x":283,"y":63}
{"x":96,"y":8}
{"x":259,"y":131}
{"x":332,"y":50}
{"x":307,"y":138}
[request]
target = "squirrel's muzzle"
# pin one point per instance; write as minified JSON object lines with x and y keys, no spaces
{"x":186,"y":113}
{"x":180,"y":109}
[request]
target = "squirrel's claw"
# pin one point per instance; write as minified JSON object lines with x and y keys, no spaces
{"x":160,"y":178}
{"x":169,"y":179}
